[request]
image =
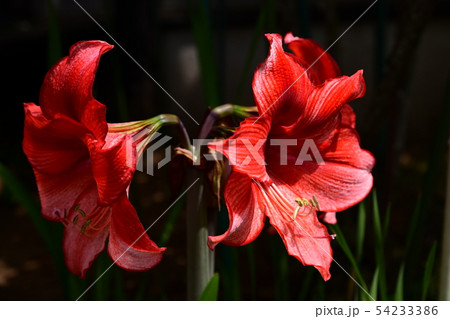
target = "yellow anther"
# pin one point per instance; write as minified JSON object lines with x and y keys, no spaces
{"x":315,"y":203}
{"x":303,"y":202}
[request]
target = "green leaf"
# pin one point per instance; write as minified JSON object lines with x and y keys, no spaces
{"x":373,"y":286}
{"x":280,"y":268}
{"x":360,"y":231}
{"x":22,"y":196}
{"x":379,"y":247}
{"x":200,"y":15}
{"x":413,"y":225}
{"x":398,"y":295}
{"x":306,"y":283}
{"x":169,"y":226}
{"x":256,"y":37}
{"x":346,"y":249}
{"x":387,"y":219}
{"x":428,"y":270}
{"x":211,"y":291}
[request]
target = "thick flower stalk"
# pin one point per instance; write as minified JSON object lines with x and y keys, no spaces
{"x":83,"y":167}
{"x":300,"y":156}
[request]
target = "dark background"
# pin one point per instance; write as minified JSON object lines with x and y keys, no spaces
{"x":402,"y":46}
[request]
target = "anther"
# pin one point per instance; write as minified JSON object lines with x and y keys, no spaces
{"x":86,"y":224}
{"x":315,"y":203}
{"x":77,"y":209}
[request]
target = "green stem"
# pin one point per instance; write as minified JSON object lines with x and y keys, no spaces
{"x":184,"y":136}
{"x":200,"y":260}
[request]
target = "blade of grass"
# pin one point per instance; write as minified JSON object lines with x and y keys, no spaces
{"x":280,"y":268}
{"x":346,"y":249}
{"x":211,"y":291}
{"x":166,"y":234}
{"x":101,"y":290}
{"x":199,"y":13}
{"x":172,"y":218}
{"x":379,"y":247}
{"x":398,"y":295}
{"x":257,"y":32}
{"x":229,"y":261}
{"x":387,"y":219}
{"x":306,"y":284}
{"x":429,"y":265}
{"x":119,"y":293}
{"x":373,"y":286}
{"x":436,"y":165}
{"x":360,"y":231}
{"x":413,"y":225}
{"x":75,"y":286}
{"x":22,"y":196}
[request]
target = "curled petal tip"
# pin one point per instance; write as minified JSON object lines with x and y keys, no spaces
{"x":360,"y":83}
{"x":274,"y":37}
{"x":211,"y":243}
{"x":289,"y":37}
{"x":104,"y":46}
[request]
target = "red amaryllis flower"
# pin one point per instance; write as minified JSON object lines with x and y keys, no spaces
{"x":82,"y":169}
{"x":300,"y":104}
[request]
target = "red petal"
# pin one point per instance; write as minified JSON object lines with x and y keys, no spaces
{"x":113,"y":166}
{"x":348,"y":117}
{"x":312,"y":54}
{"x":67,"y":87}
{"x":245,"y":210}
{"x":60,"y":193}
{"x":305,"y":238}
{"x":345,"y":149}
{"x":332,"y":95}
{"x":80,"y":247}
{"x":342,"y":181}
{"x":281,"y":85}
{"x":323,"y":106}
{"x":53,"y":146}
{"x":245,"y":149}
{"x":129,"y":245}
{"x":329,"y":218}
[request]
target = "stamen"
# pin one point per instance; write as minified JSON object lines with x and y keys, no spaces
{"x":315,"y":202}
{"x":98,"y":221}
{"x":77,"y":209}
{"x":86,"y":224}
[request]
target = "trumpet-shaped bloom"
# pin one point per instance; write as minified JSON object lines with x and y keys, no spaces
{"x":302,"y":101}
{"x":83,"y":169}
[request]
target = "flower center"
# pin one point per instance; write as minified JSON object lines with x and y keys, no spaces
{"x":274,"y":197}
{"x":99,"y":219}
{"x":299,"y":207}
